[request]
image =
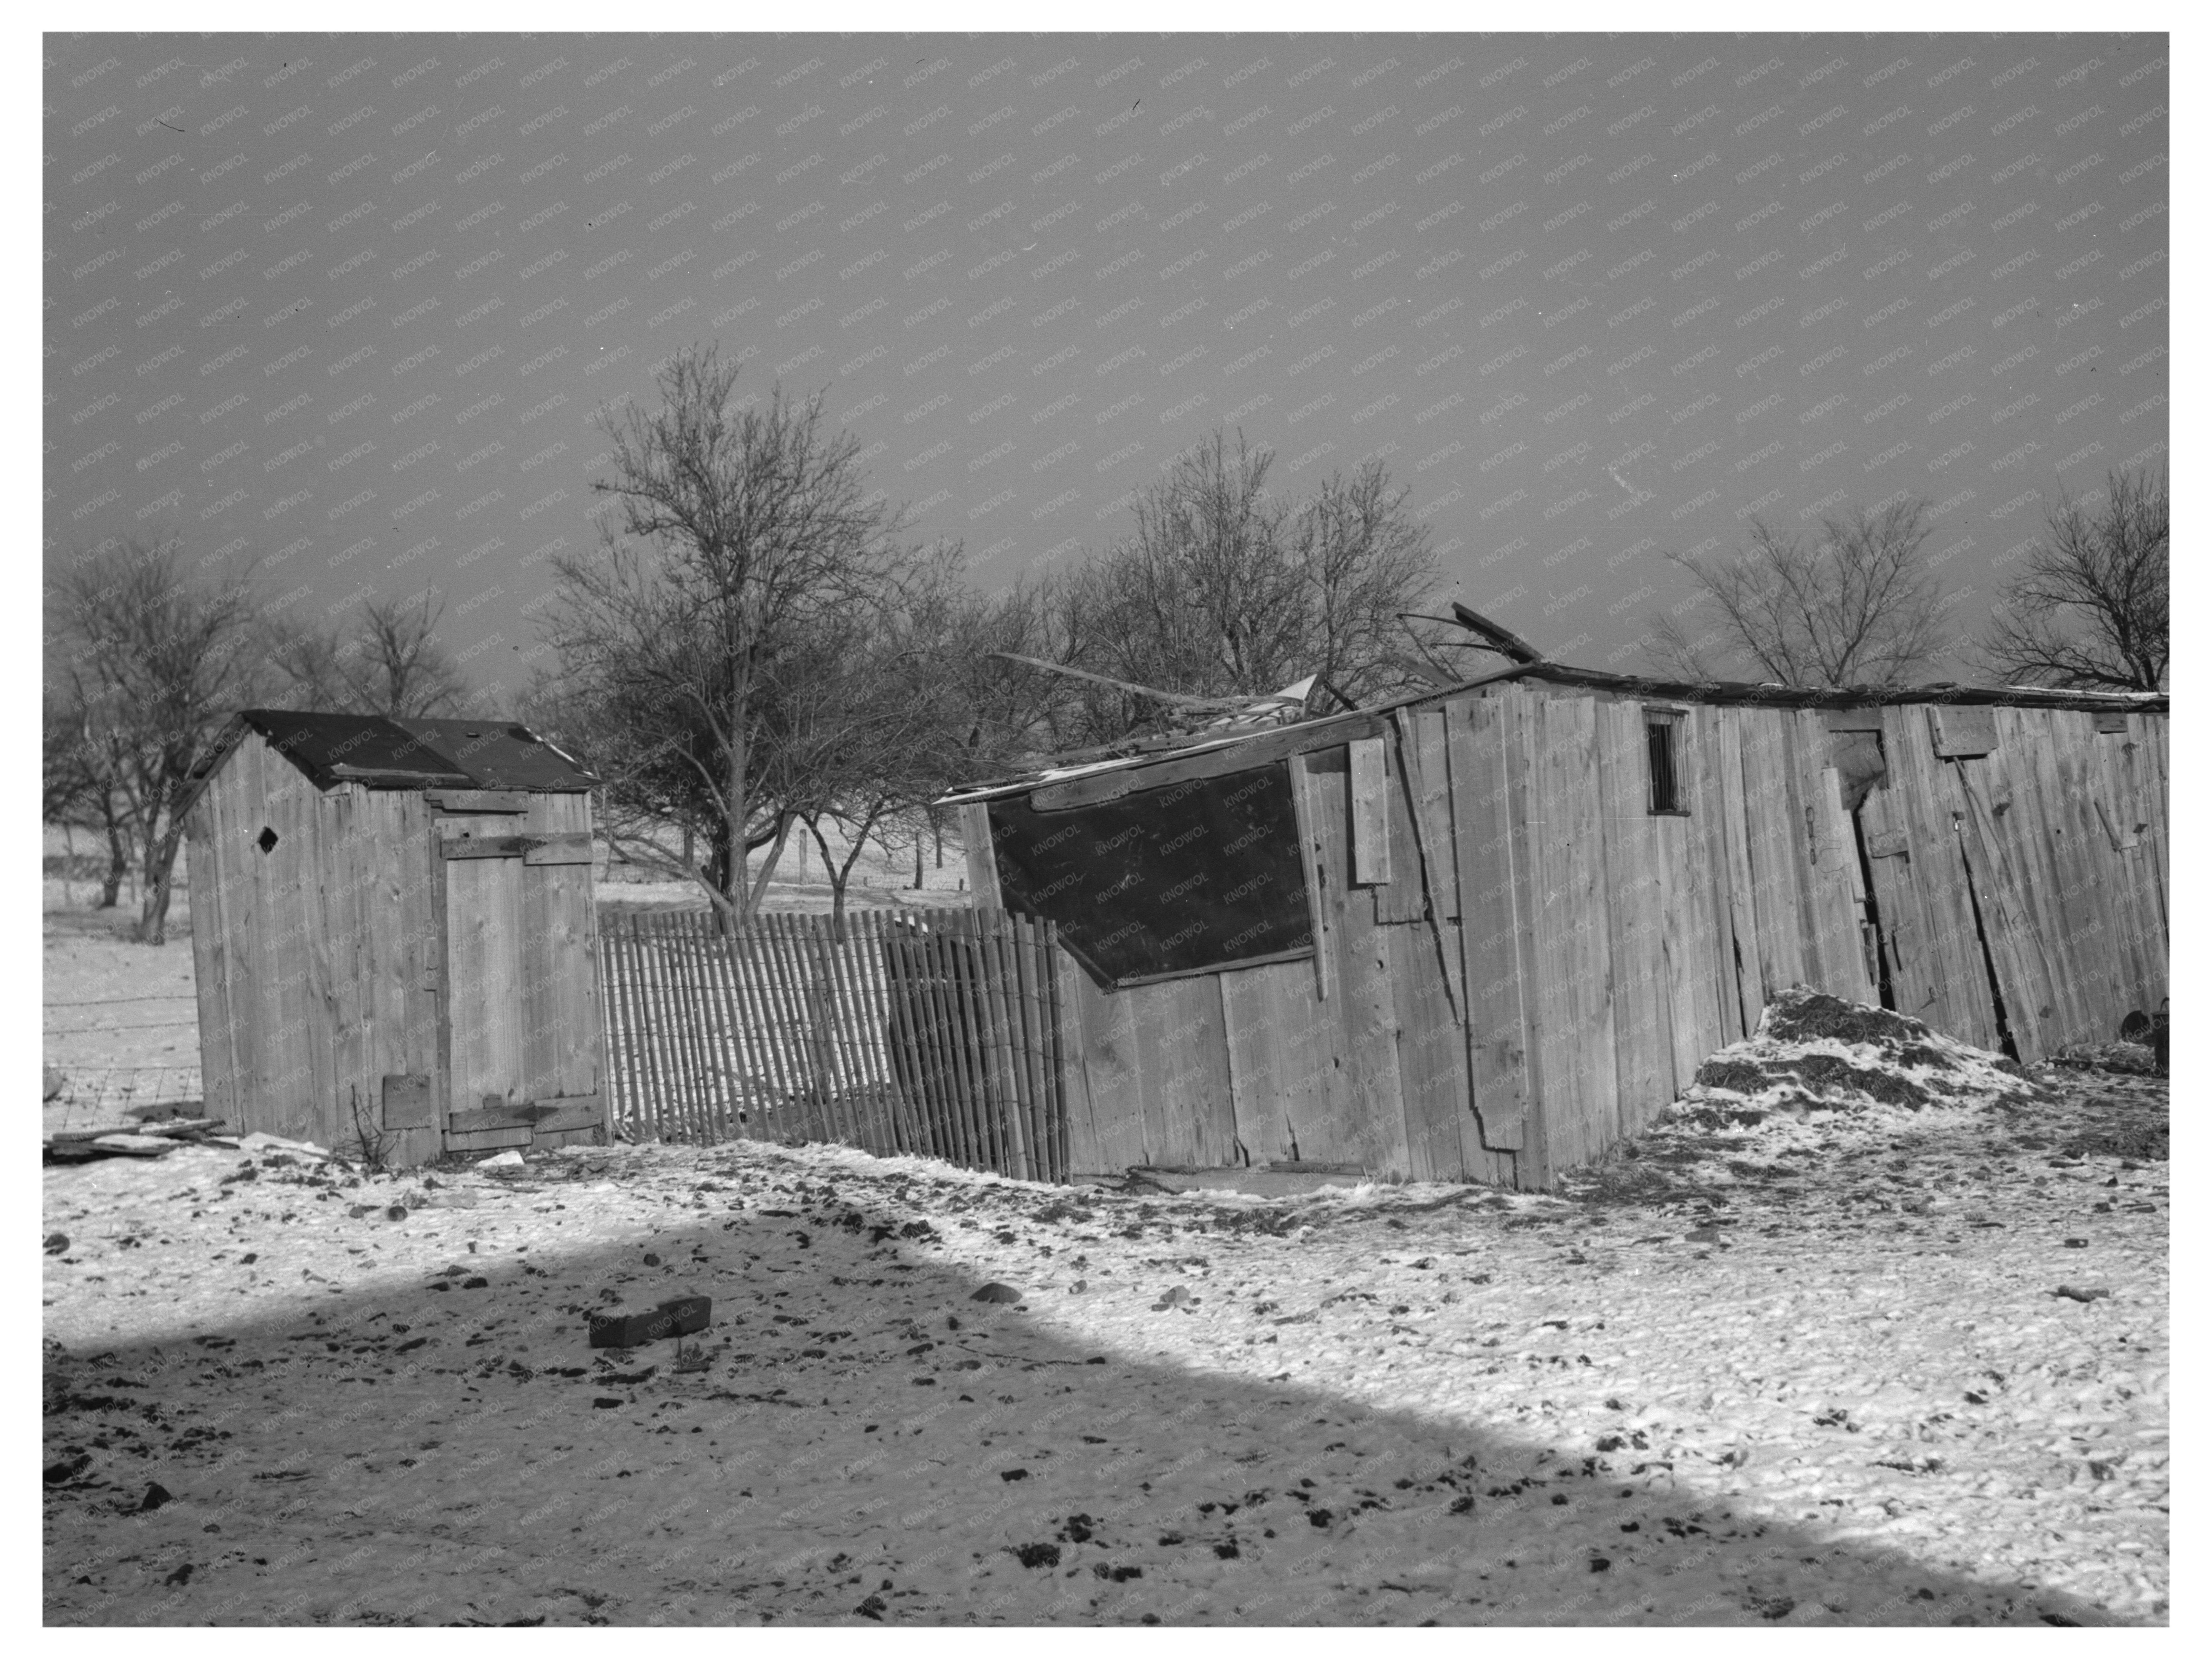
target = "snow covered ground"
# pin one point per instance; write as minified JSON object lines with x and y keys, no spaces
{"x":1891,"y":1364}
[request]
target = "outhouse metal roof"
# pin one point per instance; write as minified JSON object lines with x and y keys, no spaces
{"x":401,"y":754}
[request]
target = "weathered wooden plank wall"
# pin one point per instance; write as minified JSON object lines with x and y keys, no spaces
{"x":321,"y":962}
{"x":2065,"y":830}
{"x":1594,"y":953}
{"x":1635,"y":859}
{"x":1491,"y":861}
{"x":1365,"y":1096}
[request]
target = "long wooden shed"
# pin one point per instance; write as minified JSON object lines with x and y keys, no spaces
{"x":1482,"y":932}
{"x":393,"y":934}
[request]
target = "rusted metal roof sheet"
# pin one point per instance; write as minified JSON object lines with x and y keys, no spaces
{"x":501,"y":755}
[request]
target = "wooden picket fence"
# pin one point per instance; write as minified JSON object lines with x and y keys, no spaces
{"x":929,"y":1032}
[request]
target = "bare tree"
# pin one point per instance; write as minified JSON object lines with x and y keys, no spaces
{"x":151,"y":662}
{"x":1226,"y":589}
{"x":391,"y":661}
{"x":2089,"y":609}
{"x":1858,"y":606}
{"x":735,"y":527}
{"x":80,"y":774}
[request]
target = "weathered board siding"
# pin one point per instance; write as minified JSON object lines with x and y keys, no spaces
{"x":322,"y":965}
{"x":1540,"y":963}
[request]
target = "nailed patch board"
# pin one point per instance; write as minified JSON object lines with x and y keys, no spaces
{"x":1371,"y":827}
{"x":478,"y":800}
{"x":406,"y":1102}
{"x":1963,"y":732}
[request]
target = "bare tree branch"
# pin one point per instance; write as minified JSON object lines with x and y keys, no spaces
{"x":2089,"y":611}
{"x":735,"y":532}
{"x":1225,"y":590}
{"x":154,"y":662}
{"x":1857,"y":607}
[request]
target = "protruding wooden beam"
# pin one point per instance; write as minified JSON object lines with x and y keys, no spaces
{"x":1503,"y":640}
{"x":1181,"y":700}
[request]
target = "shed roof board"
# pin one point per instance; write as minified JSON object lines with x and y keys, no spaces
{"x":409,"y":754}
{"x":1728,"y":693}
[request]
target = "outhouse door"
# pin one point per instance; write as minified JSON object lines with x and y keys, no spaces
{"x":520,"y":1031}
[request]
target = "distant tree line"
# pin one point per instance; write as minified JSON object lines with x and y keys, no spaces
{"x":1858,"y":606}
{"x":759,"y":648}
{"x":147,"y":658}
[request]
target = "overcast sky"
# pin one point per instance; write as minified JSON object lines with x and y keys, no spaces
{"x":348,"y":305}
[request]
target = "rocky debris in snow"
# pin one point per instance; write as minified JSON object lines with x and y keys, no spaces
{"x":2125,"y":1056}
{"x":678,"y":1317}
{"x":1847,"y":1383}
{"x":56,"y":1243}
{"x":995,"y":1292}
{"x":67,"y":1469}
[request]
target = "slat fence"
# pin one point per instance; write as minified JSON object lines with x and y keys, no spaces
{"x":934,"y":1033}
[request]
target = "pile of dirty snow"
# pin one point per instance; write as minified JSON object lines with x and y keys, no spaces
{"x":1815,"y":1053}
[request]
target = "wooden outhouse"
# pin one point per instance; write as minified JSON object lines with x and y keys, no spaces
{"x":1482,"y":932}
{"x":393,"y":934}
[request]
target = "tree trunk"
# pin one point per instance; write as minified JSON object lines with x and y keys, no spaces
{"x":738,"y":803}
{"x":118,"y":862}
{"x":936,"y":829}
{"x":917,"y":862}
{"x":160,"y":865}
